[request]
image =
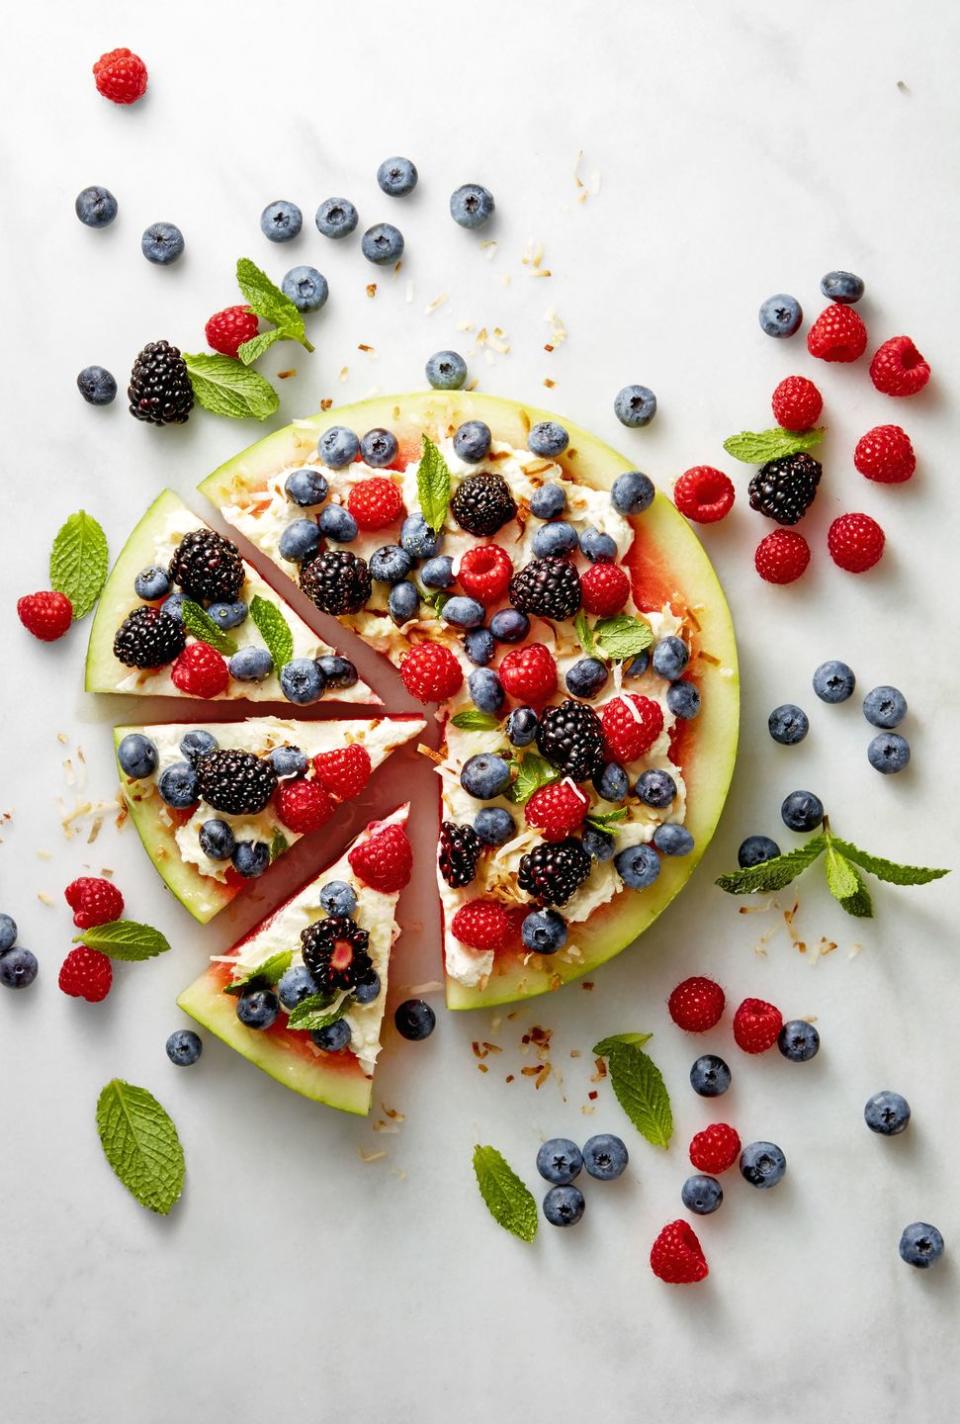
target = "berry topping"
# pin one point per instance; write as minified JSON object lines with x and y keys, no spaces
{"x":485,"y":573}
{"x":557,"y":809}
{"x":459,"y":850}
{"x":160,"y":391}
{"x":554,"y":872}
{"x":148,"y":638}
{"x":885,"y":455}
{"x":677,"y":1256}
{"x":200,"y":671}
{"x":898,"y":369}
{"x":344,"y":771}
{"x":482,"y":924}
{"x":236,"y":782}
{"x":227,"y":330}
{"x":548,"y":588}
{"x":384,"y":860}
{"x":121,"y":76}
{"x":756,"y":1025}
{"x":704,"y":494}
{"x":335,"y":953}
{"x":93,"y":901}
{"x":696,"y":1004}
{"x":483,"y":504}
{"x":838,"y":334}
{"x":796,"y":403}
{"x":571,"y":738}
{"x":46,"y":615}
{"x":631,"y":725}
{"x":207,"y":567}
{"x":782,"y":556}
{"x":375,"y":502}
{"x":715,"y":1149}
{"x":86,"y":974}
{"x":431,"y":672}
{"x":784,"y":489}
{"x":303,"y":806}
{"x":337,"y":581}
{"x":604,"y":589}
{"x":855,"y":542}
{"x":529,"y":673}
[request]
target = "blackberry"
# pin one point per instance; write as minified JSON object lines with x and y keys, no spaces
{"x":552,"y":872}
{"x":160,"y":389}
{"x":207,"y":567}
{"x":337,"y":581}
{"x":784,"y":489}
{"x":149,"y":638}
{"x":571,"y":738}
{"x":548,"y":588}
{"x":483,"y":504}
{"x":335,"y":952}
{"x":236,"y":782}
{"x":459,"y":849}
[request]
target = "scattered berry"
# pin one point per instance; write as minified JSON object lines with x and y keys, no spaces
{"x":887,"y":1113}
{"x":281,"y":221}
{"x":184,"y":1047}
{"x":709,"y":1076}
{"x":755,"y":850}
{"x":160,"y":391}
{"x":471,"y":205}
{"x":885,"y":455}
{"x":18,"y":968}
{"x":782,"y":556}
{"x":677,"y":1256}
{"x":46,"y":615}
{"x":788,"y":724}
{"x":898,"y":369}
{"x":838,"y":334}
{"x":780,"y":315}
{"x":446,"y":371}
{"x":94,"y":901}
{"x":200,"y":671}
{"x":605,"y":1157}
{"x":96,"y":207}
{"x":382,"y":243}
{"x":635,"y":406}
{"x":559,"y":1161}
{"x":415,"y":1020}
{"x":696,"y":1004}
{"x":799,"y":1041}
{"x":431,"y":672}
{"x":834,"y":681}
{"x":921,"y":1244}
{"x":227,"y":330}
{"x":384,"y":860}
{"x":121,"y":76}
{"x":704,"y":494}
{"x":306,"y":287}
{"x":563,"y":1206}
{"x":303,"y":806}
{"x":756,"y":1025}
{"x":715,"y":1149}
{"x":97,"y":385}
{"x":482,"y":925}
{"x":397,"y":176}
{"x":784,"y":489}
{"x":162,"y":243}
{"x":701,"y":1195}
{"x":336,"y":217}
{"x":8,"y":932}
{"x":604,"y":589}
{"x":796,"y":403}
{"x":762,"y":1164}
{"x":842,"y":286}
{"x":801,"y":811}
{"x":631,"y":724}
{"x":485,"y":573}
{"x":375,"y":502}
{"x":344,"y":771}
{"x":855,"y":542}
{"x":557,"y":809}
{"x":86,"y":974}
{"x":632,"y":492}
{"x":529,"y":673}
{"x":885,"y":707}
{"x":888,"y":753}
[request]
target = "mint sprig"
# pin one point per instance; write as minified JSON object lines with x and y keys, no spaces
{"x":273,"y":629}
{"x":756,"y":447}
{"x":316,"y":1011}
{"x":508,"y":1200}
{"x":433,"y":485}
{"x":141,"y":1144}
{"x":474,"y":721}
{"x":270,"y":972}
{"x":79,"y":561}
{"x":532,"y":773}
{"x":197,"y":621}
{"x":638,"y":1085}
{"x":270,"y":303}
{"x":124,"y":939}
{"x":278,"y":844}
{"x":227,"y":387}
{"x":614,"y":639}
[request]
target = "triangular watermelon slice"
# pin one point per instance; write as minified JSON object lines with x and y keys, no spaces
{"x":344,"y":1079}
{"x":152,"y":544}
{"x":171,"y":837}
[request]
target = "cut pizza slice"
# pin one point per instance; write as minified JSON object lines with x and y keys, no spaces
{"x":183,"y":615}
{"x":302,"y":995}
{"x":215,"y":806}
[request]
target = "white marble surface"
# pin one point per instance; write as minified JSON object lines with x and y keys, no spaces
{"x":743,"y":148}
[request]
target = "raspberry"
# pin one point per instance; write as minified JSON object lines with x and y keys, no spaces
{"x":46,"y":615}
{"x":677,"y":1256}
{"x":631,"y":725}
{"x":715,"y":1149}
{"x":485,"y":573}
{"x":227,"y":330}
{"x":782,"y":556}
{"x":344,"y":772}
{"x":482,"y":924}
{"x":557,"y":809}
{"x":529,"y":673}
{"x":898,"y":369}
{"x":431,"y":672}
{"x":696,"y":1004}
{"x":604,"y":589}
{"x":838,"y":334}
{"x":756,"y":1025}
{"x":796,"y":403}
{"x":384,"y":861}
{"x":855,"y":542}
{"x":93,"y":901}
{"x":303,"y":806}
{"x":885,"y":454}
{"x":200,"y":671}
{"x":121,"y":76}
{"x":375,"y":503}
{"x":704,"y":494}
{"x":86,"y":974}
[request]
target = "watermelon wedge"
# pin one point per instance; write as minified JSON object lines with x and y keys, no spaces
{"x":341,"y":1080}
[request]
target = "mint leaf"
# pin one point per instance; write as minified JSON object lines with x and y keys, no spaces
{"x":253,"y":349}
{"x":269,"y":302}
{"x":273,"y":629}
{"x":622,"y":636}
{"x":603,"y":819}
{"x":888,"y":870}
{"x":773,"y":874}
{"x":639,"y":1088}
{"x":433,"y":485}
{"x":278,"y":844}
{"x":757,"y":447}
{"x":508,"y":1200}
{"x":197,"y":621}
{"x":271,"y":971}
{"x":78,"y":562}
{"x":859,"y":903}
{"x":602,"y":1049}
{"x":141,"y":1144}
{"x":124,"y":939}
{"x":475,"y":721}
{"x":227,"y":387}
{"x":316,"y":1011}
{"x":581,"y":626}
{"x":532,"y":773}
{"x":842,"y":880}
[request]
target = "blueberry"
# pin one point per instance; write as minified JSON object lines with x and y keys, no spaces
{"x":173,"y":606}
{"x":485,"y":775}
{"x":563,"y":1206}
{"x":585,"y":677}
{"x":637,"y":666}
{"x":547,"y":439}
{"x":438,"y":572}
{"x":414,"y":1019}
{"x":780,"y":315}
{"x":306,"y":287}
{"x":334,"y":1038}
{"x":397,"y":177}
{"x":559,"y":1161}
{"x":288,"y":761}
{"x":671,"y":839}
{"x":378,"y":447}
{"x":632,"y":492}
{"x":709,"y":1076}
{"x":419,"y":540}
{"x":611,"y":782}
{"x":382,"y":243}
{"x":521,"y":726}
{"x":296,"y":984}
{"x":162,"y":242}
{"x":462,"y":612}
{"x":338,"y":447}
{"x":8,"y":933}
{"x":921,"y":1244}
{"x":228,"y":615}
{"x":552,"y":540}
{"x":338,"y":524}
{"x":635,"y":406}
{"x":250,"y":858}
{"x":96,"y":385}
{"x":802,"y":811}
{"x":217,"y":839}
{"x":479,"y":646}
{"x":598,"y":844}
{"x":788,"y":724}
{"x":885,"y":707}
{"x":390,"y":564}
{"x":446,"y":371}
{"x":300,"y":541}
{"x":887,"y":1113}
{"x":544,"y":932}
{"x":137,"y":755}
{"x":755,"y":850}
{"x":96,"y":206}
{"x":471,"y":205}
{"x":197,"y":743}
{"x":638,"y":866}
{"x":494,"y":825}
{"x":842,"y":287}
{"x":670,"y":658}
{"x":471,"y":441}
{"x":18,"y":968}
{"x":486,"y":690}
{"x":509,"y":625}
{"x":605,"y":1157}
{"x":683,"y":700}
{"x":798,"y":1041}
{"x":701,"y":1195}
{"x":597,"y":547}
{"x":258,"y":1008}
{"x":368,"y":989}
{"x":548,"y":501}
{"x":305,"y":487}
{"x":302,"y":681}
{"x":762,"y":1164}
{"x":184,"y":1047}
{"x":834,"y":682}
{"x":336,"y":217}
{"x":888,"y":753}
{"x":281,"y":221}
{"x":179,"y":786}
{"x":656,"y":788}
{"x":250,"y":664}
{"x":403,"y":602}
{"x":338,"y":671}
{"x":338,"y":898}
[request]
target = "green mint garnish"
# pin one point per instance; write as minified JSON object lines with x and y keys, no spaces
{"x":278,"y":844}
{"x":270,"y":972}
{"x":622,"y":636}
{"x":581,"y":626}
{"x":475,"y":721}
{"x":227,"y":387}
{"x":532,"y":773}
{"x":433,"y":485}
{"x":638,"y":1085}
{"x":757,"y":447}
{"x":603,"y":820}
{"x":508,"y":1200}
{"x":141,"y":1144}
{"x":316,"y":1011}
{"x":124,"y":939}
{"x":774,"y":874}
{"x":197,"y":621}
{"x":79,"y":561}
{"x":602,"y":1049}
{"x":270,"y":303}
{"x":273,"y":629}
